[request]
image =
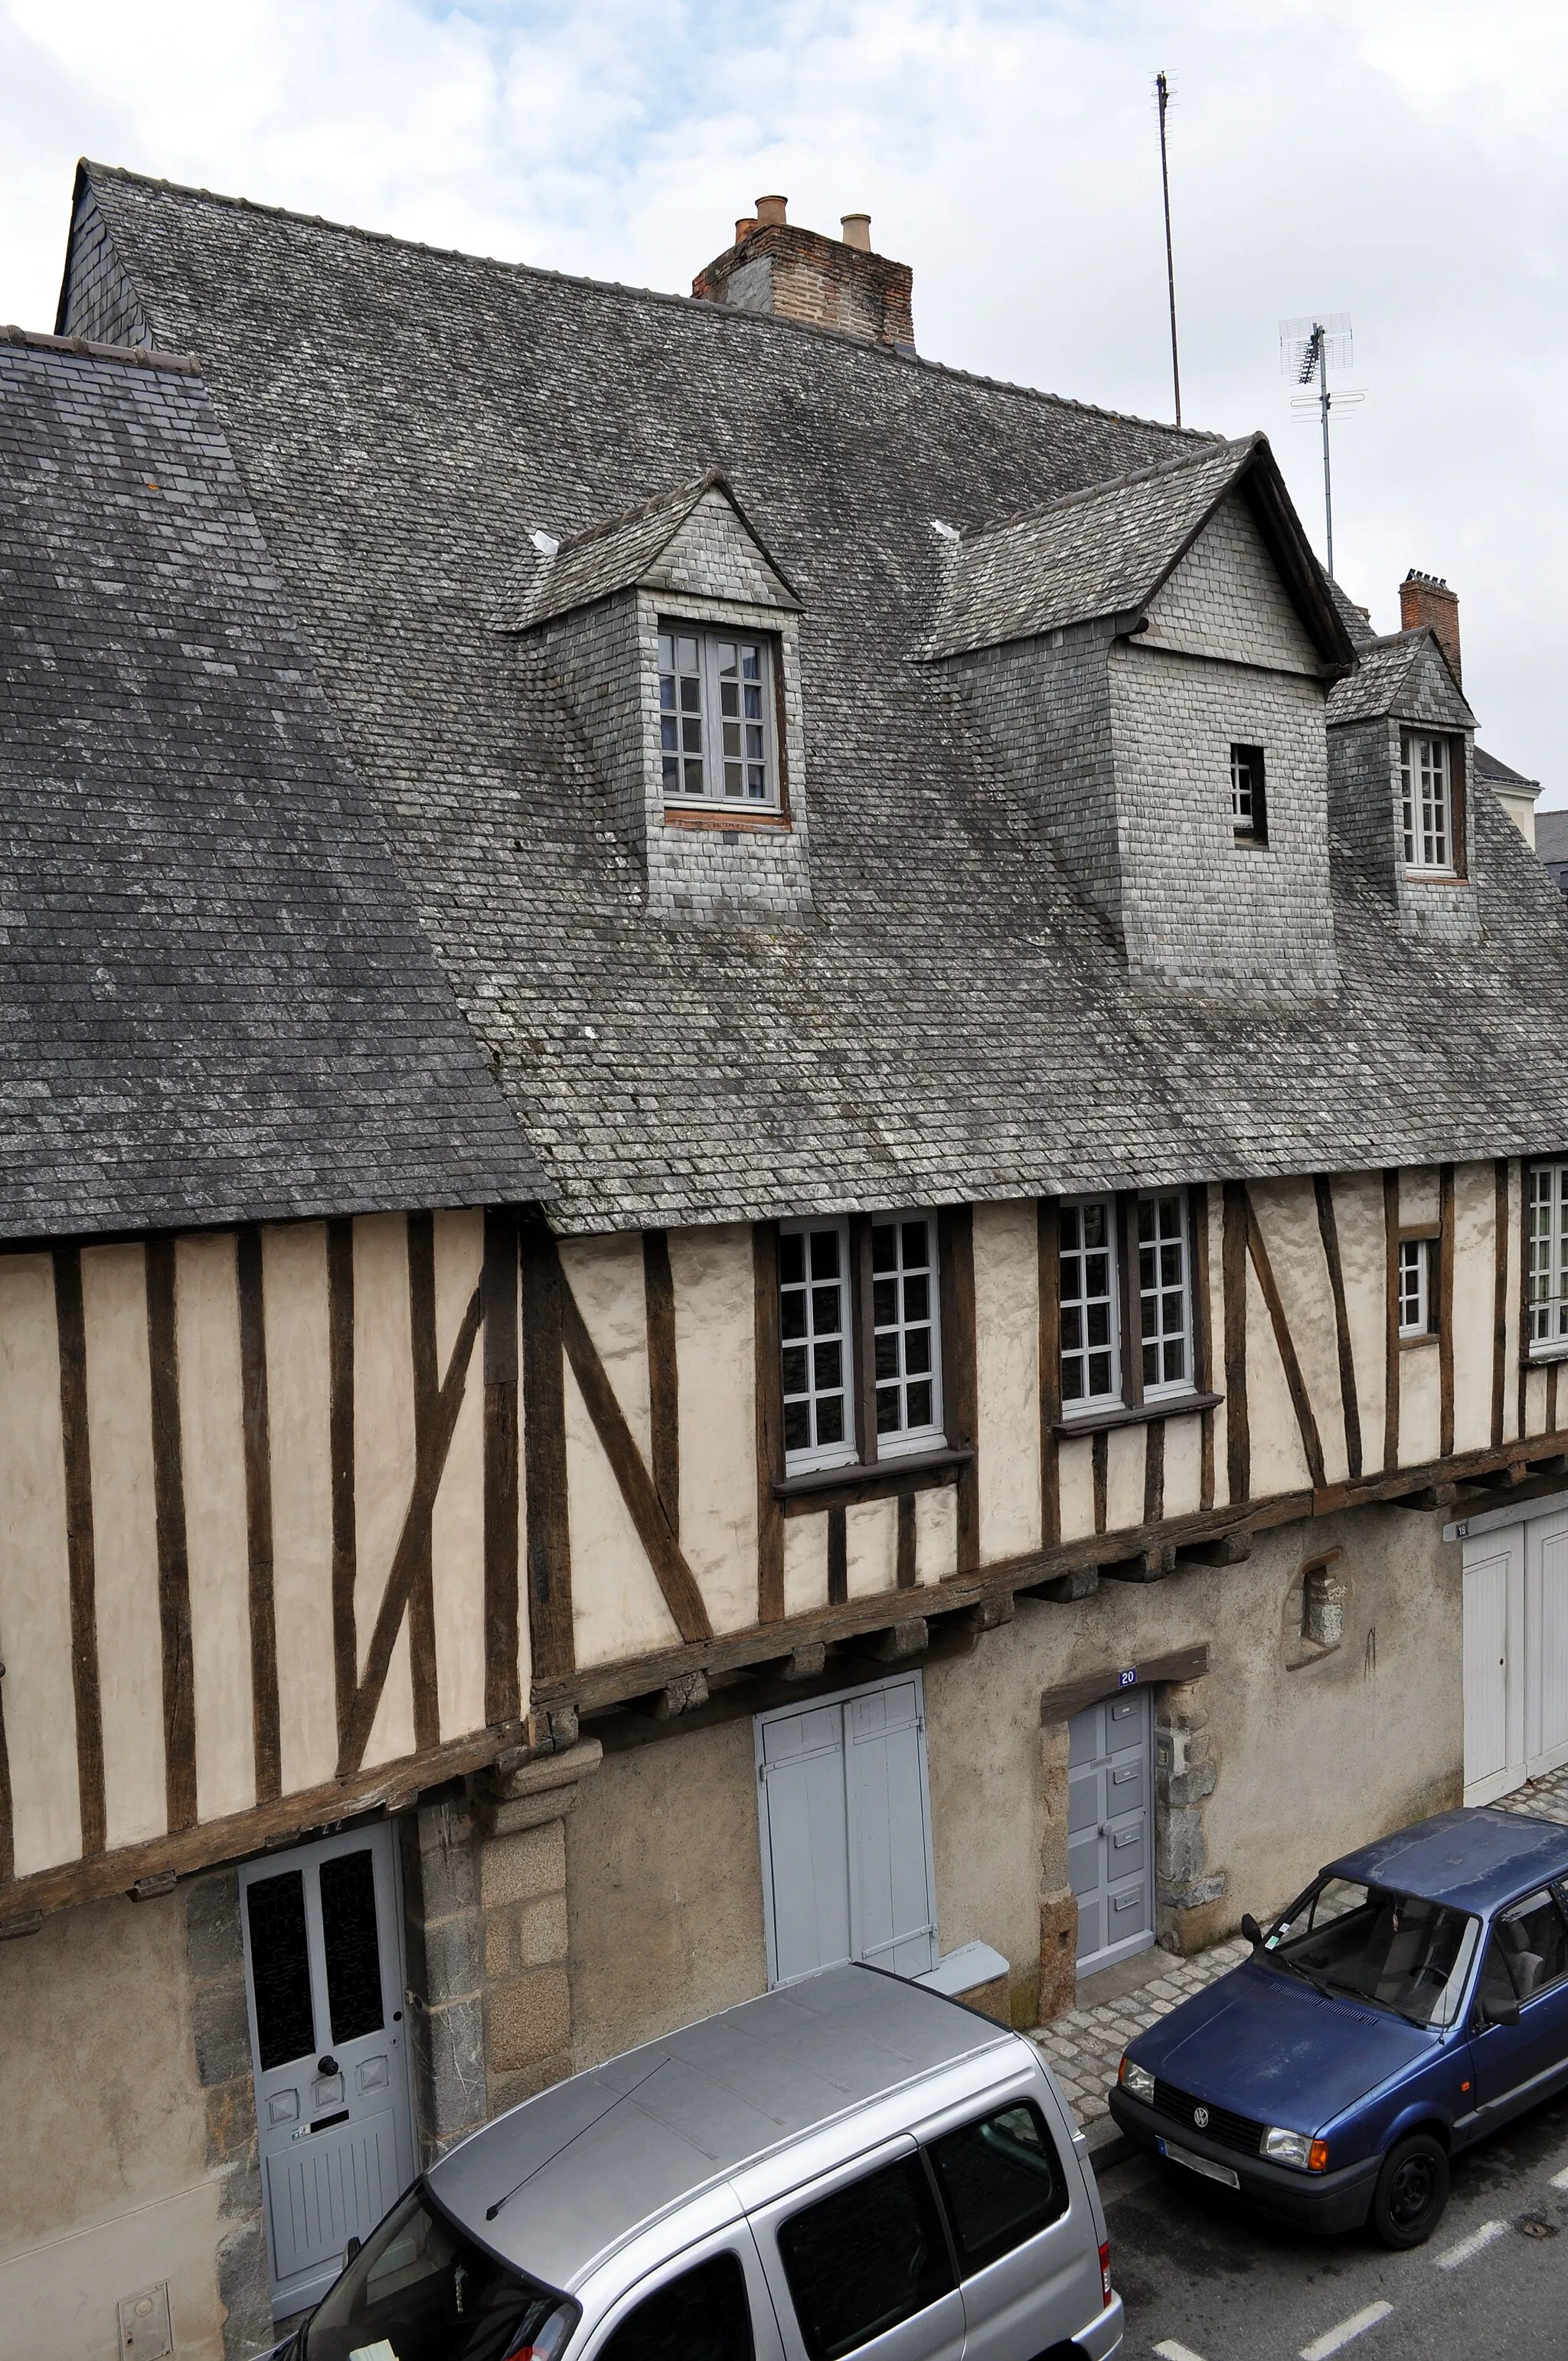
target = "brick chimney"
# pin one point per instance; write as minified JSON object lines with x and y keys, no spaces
{"x":1424,"y":599}
{"x":830,"y":282}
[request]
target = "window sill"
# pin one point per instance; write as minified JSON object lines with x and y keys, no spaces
{"x":716,"y":816}
{"x":842,"y":1488}
{"x":1098,"y":1421}
{"x":1250,"y":843}
{"x":1545,"y":1357}
{"x":1414,"y":1343}
{"x":1434,"y":876}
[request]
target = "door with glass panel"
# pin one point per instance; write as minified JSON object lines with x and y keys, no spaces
{"x":322,"y":1928}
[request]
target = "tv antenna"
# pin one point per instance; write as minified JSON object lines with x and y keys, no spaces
{"x":1162,"y":96}
{"x":1306,"y":348}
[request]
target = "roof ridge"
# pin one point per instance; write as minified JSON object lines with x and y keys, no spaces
{"x":686,"y":494}
{"x":87,"y":348}
{"x":1150,"y":472}
{"x":732,"y":313}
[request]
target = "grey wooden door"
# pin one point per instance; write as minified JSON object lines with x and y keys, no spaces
{"x":845,"y":1822}
{"x":1110,"y":1847}
{"x":324,"y":1983}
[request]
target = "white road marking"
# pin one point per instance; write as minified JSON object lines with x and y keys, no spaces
{"x":1357,"y":2325}
{"x":1559,"y":2179}
{"x":1171,"y":2351}
{"x":1469,"y":2247}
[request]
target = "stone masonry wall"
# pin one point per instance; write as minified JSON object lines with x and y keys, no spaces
{"x":220,"y":2029}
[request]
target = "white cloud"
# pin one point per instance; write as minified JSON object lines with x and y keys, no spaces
{"x":1401,"y":162}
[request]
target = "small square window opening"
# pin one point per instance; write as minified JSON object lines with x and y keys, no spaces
{"x":1426,"y":783}
{"x":1163,"y":1294}
{"x":814,"y":1337}
{"x":1249,"y":819}
{"x":1090,"y":1360}
{"x":1415,"y":1287}
{"x":1548,"y":1248}
{"x":715,"y":718}
{"x":906,"y":1360}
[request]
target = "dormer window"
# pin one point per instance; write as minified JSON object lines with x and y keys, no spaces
{"x":715,"y":727}
{"x":1427,"y":777}
{"x":1249,"y":816}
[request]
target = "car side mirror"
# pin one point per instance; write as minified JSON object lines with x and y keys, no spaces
{"x":1252,"y":1930}
{"x":350,"y":2250}
{"x":1499,"y":2012}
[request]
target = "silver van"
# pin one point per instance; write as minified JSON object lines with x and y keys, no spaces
{"x":852,"y":2164}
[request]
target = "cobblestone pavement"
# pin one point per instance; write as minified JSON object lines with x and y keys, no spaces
{"x":1083,"y":2047}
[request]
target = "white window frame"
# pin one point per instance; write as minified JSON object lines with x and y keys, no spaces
{"x":1546,"y":1247}
{"x":1164,"y":1388}
{"x":1415,"y":1288}
{"x":1088,"y":1405}
{"x":1426,"y":778}
{"x":903,"y":1439}
{"x":714,"y":756}
{"x":1249,"y":825}
{"x":807,"y":1458}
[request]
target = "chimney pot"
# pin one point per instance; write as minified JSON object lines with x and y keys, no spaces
{"x":744,"y":228}
{"x":1424,"y":598}
{"x":772,"y":212}
{"x":857,"y":229}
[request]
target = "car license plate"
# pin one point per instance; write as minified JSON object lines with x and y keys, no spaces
{"x":1199,"y":2164}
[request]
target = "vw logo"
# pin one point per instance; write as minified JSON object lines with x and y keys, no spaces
{"x":1201,"y":2119}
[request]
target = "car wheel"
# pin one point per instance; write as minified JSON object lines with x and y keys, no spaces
{"x":1412,"y":2191}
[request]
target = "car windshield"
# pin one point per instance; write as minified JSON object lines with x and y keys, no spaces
{"x":1376,"y":1945}
{"x":419,"y":2290}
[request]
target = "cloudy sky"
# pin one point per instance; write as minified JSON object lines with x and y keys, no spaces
{"x":1401,"y":161}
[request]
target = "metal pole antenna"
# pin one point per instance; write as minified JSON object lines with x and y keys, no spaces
{"x":1324,"y":405}
{"x":1163,"y":88}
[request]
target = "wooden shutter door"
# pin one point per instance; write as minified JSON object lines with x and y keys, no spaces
{"x":806,"y":1840}
{"x":893,"y":1916}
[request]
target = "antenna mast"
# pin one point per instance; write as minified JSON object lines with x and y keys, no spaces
{"x":1306,"y":348}
{"x":1162,"y":91}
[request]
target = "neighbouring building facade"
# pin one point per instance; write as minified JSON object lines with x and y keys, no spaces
{"x":786,"y":1177}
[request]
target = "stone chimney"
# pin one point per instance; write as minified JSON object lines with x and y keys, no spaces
{"x":830,"y":282}
{"x":1424,"y":599}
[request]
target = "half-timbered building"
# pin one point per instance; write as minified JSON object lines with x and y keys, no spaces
{"x":786,"y":1177}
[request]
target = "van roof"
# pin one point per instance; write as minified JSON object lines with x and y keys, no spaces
{"x":587,"y":2164}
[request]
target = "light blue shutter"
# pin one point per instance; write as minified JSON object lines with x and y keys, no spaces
{"x":807,"y":1847}
{"x":893,"y":1913}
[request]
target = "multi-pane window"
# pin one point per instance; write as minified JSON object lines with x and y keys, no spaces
{"x":814,"y":1333}
{"x":715,"y":729}
{"x":1548,"y":1254}
{"x":1426,"y":778}
{"x":904,"y":1325}
{"x":1415,"y":1287}
{"x":1090,"y":1371}
{"x":1247,"y":813}
{"x":1165,"y":1310}
{"x":828,"y":1271}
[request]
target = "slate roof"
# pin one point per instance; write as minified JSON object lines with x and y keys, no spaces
{"x":215,"y":1002}
{"x":607,"y":557}
{"x":952,"y":1021}
{"x":1103,"y":551}
{"x":1489,"y":767}
{"x":1390,"y":676}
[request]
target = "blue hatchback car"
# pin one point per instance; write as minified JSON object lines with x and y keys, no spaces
{"x":1412,"y":2000}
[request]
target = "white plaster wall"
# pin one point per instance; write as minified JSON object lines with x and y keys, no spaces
{"x":605,"y":1275}
{"x":870,"y":1553}
{"x":618,"y":1608}
{"x":1007,"y":1376}
{"x":295,"y":1299}
{"x":125,"y":1533}
{"x":35,"y":1611}
{"x":1363,"y":1253}
{"x":1420,"y":1403}
{"x":1287,"y":1214}
{"x":1420,"y":1196}
{"x":1126,"y":1462}
{"x":1075,"y":1486}
{"x":1183,"y":1465}
{"x":383,"y":1458}
{"x":457,"y":1521}
{"x":1278,"y":1461}
{"x":716,"y":1364}
{"x":212,"y":1426}
{"x":1475,"y":1285}
{"x":805,"y":1564}
{"x":936,"y":1533}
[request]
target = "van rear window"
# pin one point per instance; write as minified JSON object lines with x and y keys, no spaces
{"x":865,"y":2258}
{"x":1001,"y":2183}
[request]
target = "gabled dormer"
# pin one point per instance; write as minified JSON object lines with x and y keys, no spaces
{"x":1402,"y":767}
{"x":672,"y":631}
{"x":1149,"y":661}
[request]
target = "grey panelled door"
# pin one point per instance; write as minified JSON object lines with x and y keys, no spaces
{"x":845,"y":1832}
{"x":323,"y":1975}
{"x":1110,"y":1847}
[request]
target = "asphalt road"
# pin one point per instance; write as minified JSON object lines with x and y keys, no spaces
{"x":1204,"y":2280}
